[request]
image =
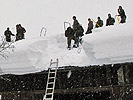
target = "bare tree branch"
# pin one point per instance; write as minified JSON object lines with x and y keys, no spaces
{"x":4,"y":46}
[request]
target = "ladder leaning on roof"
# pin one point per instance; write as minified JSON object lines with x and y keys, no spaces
{"x":52,"y":71}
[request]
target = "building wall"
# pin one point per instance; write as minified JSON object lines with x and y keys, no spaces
{"x":71,"y":80}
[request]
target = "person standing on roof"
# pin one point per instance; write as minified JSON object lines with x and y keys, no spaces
{"x":78,"y":29}
{"x":69,"y":33}
{"x":20,"y":32}
{"x":8,"y":35}
{"x":122,"y":14}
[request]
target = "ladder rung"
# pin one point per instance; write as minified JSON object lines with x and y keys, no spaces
{"x":49,"y":88}
{"x":54,"y":62}
{"x":51,"y":77}
{"x":51,"y":83}
{"x":49,"y":93}
{"x":48,"y":99}
{"x":52,"y":72}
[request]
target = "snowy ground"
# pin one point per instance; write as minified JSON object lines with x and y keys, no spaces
{"x":112,"y":44}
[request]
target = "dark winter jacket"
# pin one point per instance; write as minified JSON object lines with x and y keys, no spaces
{"x":8,"y":34}
{"x":79,"y":31}
{"x":90,"y":25}
{"x":100,"y":23}
{"x":121,"y":13}
{"x":110,"y":21}
{"x":75,"y":25}
{"x":69,"y":32}
{"x":20,"y":33}
{"x":21,"y":30}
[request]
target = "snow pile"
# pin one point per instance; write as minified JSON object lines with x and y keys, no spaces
{"x":113,"y":44}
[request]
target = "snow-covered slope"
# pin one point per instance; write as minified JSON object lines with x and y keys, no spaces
{"x":112,"y":44}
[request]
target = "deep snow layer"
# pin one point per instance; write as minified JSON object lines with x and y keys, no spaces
{"x":113,"y":44}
